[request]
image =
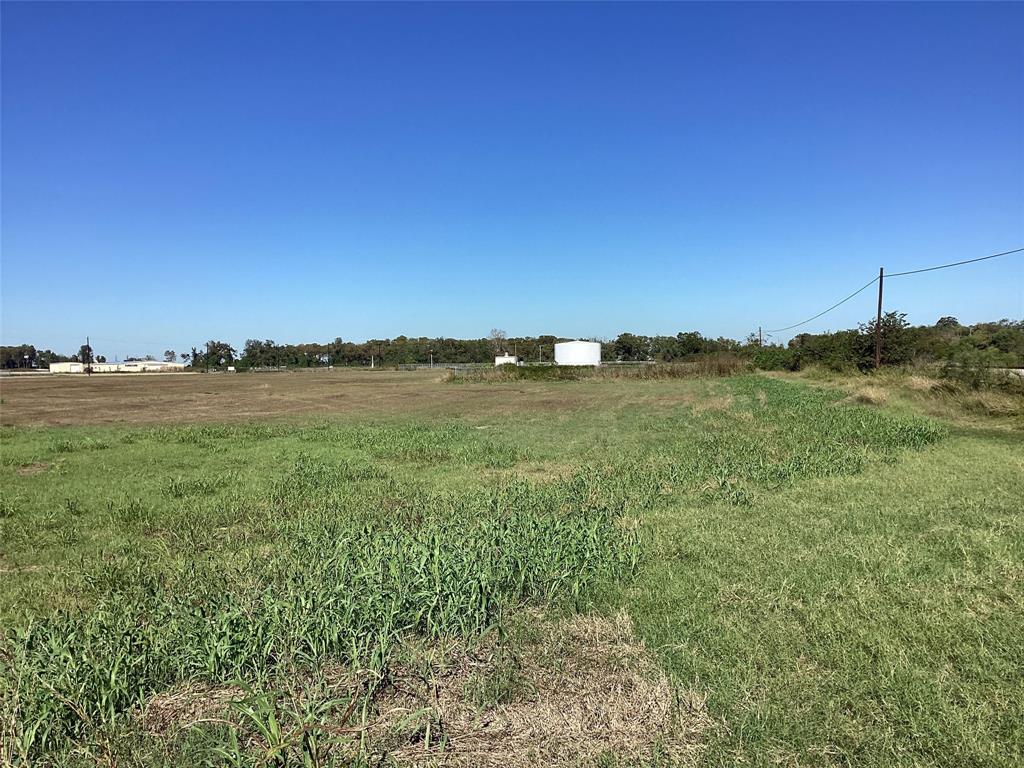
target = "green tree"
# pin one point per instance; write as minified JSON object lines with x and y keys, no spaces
{"x":85,"y":355}
{"x":219,"y":353}
{"x":896,"y":341}
{"x":632,"y":348}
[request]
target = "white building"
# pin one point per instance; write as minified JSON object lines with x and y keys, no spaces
{"x":578,"y":353}
{"x":67,"y":368}
{"x":506,"y":360}
{"x":128,"y":366}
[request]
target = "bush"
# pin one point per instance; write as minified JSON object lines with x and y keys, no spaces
{"x":980,"y":369}
{"x":777,"y":359}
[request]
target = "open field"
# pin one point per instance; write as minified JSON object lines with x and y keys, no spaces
{"x":199,"y":398}
{"x":388,"y":568}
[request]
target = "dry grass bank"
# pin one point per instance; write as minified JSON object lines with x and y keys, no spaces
{"x":921,"y":392}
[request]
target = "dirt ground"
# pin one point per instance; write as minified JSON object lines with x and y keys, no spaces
{"x":60,"y":400}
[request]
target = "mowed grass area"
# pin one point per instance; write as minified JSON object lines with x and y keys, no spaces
{"x":838,"y":583}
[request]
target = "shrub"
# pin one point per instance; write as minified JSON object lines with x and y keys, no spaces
{"x":980,"y":369}
{"x":777,"y":359}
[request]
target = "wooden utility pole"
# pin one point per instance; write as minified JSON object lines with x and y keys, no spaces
{"x":760,"y":340}
{"x":878,"y":321}
{"x":88,"y":355}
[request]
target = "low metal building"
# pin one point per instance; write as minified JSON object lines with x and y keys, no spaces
{"x":128,"y":366}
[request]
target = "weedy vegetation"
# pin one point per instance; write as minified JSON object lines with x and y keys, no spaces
{"x":350,"y":591}
{"x":711,"y":365}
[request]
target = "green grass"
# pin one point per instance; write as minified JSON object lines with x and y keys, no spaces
{"x":870,"y":620}
{"x":843,"y":582}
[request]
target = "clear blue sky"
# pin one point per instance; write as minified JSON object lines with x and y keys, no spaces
{"x":174,"y":173}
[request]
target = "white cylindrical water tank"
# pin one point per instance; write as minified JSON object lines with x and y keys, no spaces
{"x":578,"y":353}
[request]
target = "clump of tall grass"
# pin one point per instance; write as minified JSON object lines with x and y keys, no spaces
{"x":65,"y":445}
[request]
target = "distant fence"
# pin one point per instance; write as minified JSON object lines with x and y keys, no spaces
{"x":444,"y":366}
{"x":523,"y":363}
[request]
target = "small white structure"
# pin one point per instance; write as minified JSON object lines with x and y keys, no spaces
{"x":578,"y":353}
{"x":506,"y":360}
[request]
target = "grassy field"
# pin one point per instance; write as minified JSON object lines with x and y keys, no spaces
{"x":346,"y":567}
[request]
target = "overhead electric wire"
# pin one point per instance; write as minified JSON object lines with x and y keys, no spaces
{"x":954,"y":264}
{"x":837,"y":304}
{"x":893,"y":274}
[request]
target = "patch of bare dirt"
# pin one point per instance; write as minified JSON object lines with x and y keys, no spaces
{"x":4,"y":568}
{"x":34,"y":468}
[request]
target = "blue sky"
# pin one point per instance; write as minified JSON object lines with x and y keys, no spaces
{"x":174,"y":173}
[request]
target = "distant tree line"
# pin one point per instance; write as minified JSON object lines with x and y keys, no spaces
{"x":998,"y":343}
{"x":992,"y":344}
{"x":27,"y":356}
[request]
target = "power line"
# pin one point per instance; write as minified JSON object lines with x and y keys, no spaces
{"x":954,"y":264}
{"x":895,"y":274}
{"x":837,"y":304}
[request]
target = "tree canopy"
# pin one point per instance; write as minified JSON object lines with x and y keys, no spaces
{"x":1000,"y":342}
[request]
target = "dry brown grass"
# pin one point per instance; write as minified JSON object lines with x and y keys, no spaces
{"x":226,"y":397}
{"x":586,"y":689}
{"x":187,"y":706}
{"x":921,"y":383}
{"x":34,"y":468}
{"x":868,"y":394}
{"x":952,"y":400}
{"x":713,"y":403}
{"x":291,"y":396}
{"x":995,"y":404}
{"x":923,"y":394}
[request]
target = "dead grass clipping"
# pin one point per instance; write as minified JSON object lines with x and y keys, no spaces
{"x":574,"y":692}
{"x":587,"y":689}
